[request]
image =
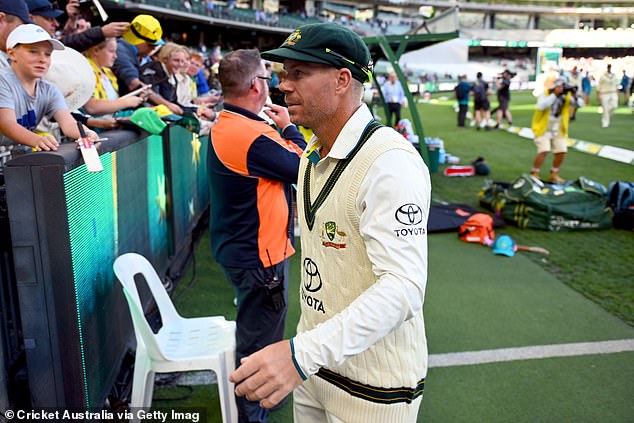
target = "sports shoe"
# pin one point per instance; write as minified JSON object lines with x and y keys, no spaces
{"x":555,"y":178}
{"x":535,"y":175}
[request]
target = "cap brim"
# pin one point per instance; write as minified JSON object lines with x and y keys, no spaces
{"x":57,"y":45}
{"x":282,"y":53}
{"x":504,"y":253}
{"x":53,"y":13}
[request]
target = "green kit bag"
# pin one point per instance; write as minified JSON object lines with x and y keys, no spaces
{"x":530,"y":203}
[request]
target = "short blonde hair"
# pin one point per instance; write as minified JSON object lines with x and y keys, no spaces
{"x":170,"y":48}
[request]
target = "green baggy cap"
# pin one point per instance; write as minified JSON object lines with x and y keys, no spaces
{"x":328,"y":44}
{"x":148,"y":119}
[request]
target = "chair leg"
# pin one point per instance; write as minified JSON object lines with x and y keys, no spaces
{"x":226,"y":388}
{"x":142,"y":383}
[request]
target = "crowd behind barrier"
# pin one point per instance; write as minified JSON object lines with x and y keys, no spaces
{"x":65,"y":227}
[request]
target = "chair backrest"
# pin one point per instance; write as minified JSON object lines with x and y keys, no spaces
{"x":125,"y":268}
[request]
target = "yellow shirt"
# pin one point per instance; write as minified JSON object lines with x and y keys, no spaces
{"x":100,"y":91}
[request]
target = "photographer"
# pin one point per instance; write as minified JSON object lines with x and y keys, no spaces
{"x":550,"y":126}
{"x":503,"y":83}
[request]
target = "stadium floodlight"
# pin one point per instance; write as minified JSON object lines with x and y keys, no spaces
{"x":427,"y":12}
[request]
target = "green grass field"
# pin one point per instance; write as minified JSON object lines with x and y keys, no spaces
{"x":596,"y":263}
{"x":583,"y":292}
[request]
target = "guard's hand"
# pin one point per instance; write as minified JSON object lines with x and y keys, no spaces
{"x":267,"y":376}
{"x":278,"y":114}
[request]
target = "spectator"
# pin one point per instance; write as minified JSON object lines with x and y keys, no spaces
{"x":360,"y":353}
{"x":607,"y":95}
{"x":81,"y":25}
{"x":173,"y":58}
{"x":574,"y":81}
{"x":207,"y":101}
{"x":25,"y":98}
{"x":503,"y":83}
{"x":462,"y":95}
{"x":586,"y":88}
{"x":195,"y":71}
{"x":481,"y":106}
{"x":43,"y":13}
{"x":394,"y":96}
{"x":143,"y":36}
{"x":625,"y":87}
{"x":106,"y":101}
{"x":251,"y":171}
{"x":178,"y":87}
{"x":275,"y":80}
{"x":12,"y":14}
{"x":550,"y":126}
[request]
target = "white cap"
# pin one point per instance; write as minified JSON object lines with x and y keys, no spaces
{"x":30,"y":34}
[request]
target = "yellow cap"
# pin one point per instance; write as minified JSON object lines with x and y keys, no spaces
{"x":144,"y":28}
{"x":162,"y":110}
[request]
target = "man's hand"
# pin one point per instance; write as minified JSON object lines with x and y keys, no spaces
{"x":278,"y":114}
{"x":72,"y":8}
{"x":114,"y":29}
{"x":268,"y":375}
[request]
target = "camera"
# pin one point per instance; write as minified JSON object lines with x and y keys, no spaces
{"x":570,"y":89}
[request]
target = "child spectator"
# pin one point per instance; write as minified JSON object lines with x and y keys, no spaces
{"x":25,"y":98}
{"x":105,"y":100}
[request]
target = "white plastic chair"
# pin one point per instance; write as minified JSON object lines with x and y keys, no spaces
{"x":204,"y":343}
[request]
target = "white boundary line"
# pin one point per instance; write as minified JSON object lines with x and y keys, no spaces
{"x":529,"y":353}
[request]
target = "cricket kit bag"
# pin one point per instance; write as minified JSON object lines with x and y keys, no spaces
{"x":478,"y":228}
{"x":621,"y":200}
{"x":530,"y":203}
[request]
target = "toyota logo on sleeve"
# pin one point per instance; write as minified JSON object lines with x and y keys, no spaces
{"x":409,"y":214}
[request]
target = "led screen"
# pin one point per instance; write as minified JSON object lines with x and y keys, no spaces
{"x":121,"y":209}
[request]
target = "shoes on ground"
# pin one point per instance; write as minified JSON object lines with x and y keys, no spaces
{"x":555,"y":178}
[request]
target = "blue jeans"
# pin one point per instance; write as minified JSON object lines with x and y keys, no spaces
{"x":258,"y":324}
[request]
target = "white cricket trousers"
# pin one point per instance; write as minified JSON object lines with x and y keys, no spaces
{"x":609,"y":102}
{"x":317,"y":401}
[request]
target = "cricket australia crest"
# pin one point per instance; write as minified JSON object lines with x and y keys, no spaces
{"x":331,"y":236}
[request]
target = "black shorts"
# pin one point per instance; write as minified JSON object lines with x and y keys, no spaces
{"x":504,"y":104}
{"x":481,"y":105}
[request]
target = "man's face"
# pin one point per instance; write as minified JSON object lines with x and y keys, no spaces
{"x":31,"y":60}
{"x":309,"y":90}
{"x":6,"y":26}
{"x":49,"y":24}
{"x":144,"y":49}
{"x":262,"y":83}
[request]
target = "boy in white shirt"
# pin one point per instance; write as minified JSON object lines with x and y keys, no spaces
{"x":25,"y":98}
